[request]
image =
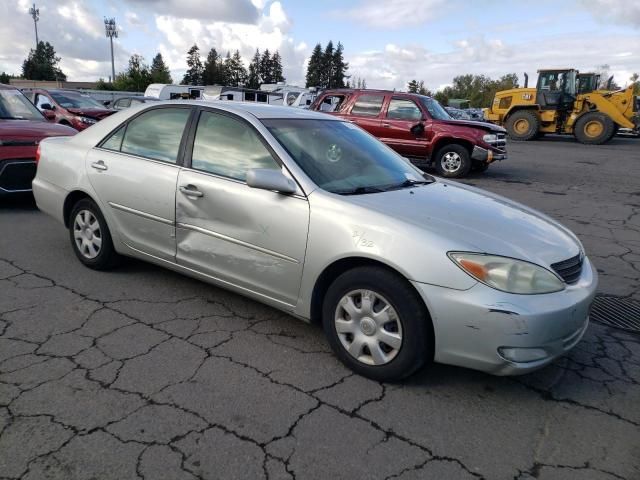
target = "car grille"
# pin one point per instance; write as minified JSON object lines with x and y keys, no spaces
{"x":569,"y":270}
{"x":500,"y":143}
{"x":17,"y":175}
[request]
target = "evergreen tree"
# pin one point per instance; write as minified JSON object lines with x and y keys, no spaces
{"x":253,"y":80}
{"x":327,"y":70}
{"x":42,"y":64}
{"x":313,"y":68}
{"x":211,"y":72}
{"x":265,"y":67}
{"x":160,"y":71}
{"x":136,"y":78}
{"x":415,"y":86}
{"x":193,"y":75}
{"x":338,"y":68}
{"x":276,"y":68}
{"x":237,"y":72}
{"x":225,"y":69}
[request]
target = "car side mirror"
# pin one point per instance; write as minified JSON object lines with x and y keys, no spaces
{"x":46,"y":106}
{"x":268,"y":179}
{"x":417,"y":129}
{"x":106,"y":103}
{"x":49,"y":115}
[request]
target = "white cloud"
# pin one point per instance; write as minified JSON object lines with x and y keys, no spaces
{"x":622,"y":12}
{"x":390,"y":14}
{"x":236,"y":11}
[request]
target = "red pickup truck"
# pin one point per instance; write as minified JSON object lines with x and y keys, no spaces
{"x":417,"y":127}
{"x":22,"y":127}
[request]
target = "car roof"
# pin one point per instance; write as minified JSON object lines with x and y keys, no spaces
{"x":258,"y":110}
{"x":4,"y":86}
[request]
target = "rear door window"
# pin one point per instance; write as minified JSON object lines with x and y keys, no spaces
{"x":332,"y":103}
{"x":368,"y":105}
{"x":156,"y":134}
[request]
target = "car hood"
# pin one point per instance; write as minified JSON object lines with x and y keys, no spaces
{"x":489,"y":127}
{"x":97,"y":113}
{"x":475,"y":220}
{"x":31,"y":130}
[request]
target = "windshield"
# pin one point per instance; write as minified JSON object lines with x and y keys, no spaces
{"x":74,"y":100}
{"x":435,"y":109}
{"x":14,"y":105}
{"x":341,"y":158}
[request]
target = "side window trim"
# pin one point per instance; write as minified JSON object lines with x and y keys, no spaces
{"x":181,"y":148}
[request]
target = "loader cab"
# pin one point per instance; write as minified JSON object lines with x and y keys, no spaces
{"x":556,"y":89}
{"x":588,"y":82}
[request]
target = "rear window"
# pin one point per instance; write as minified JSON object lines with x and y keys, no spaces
{"x":368,"y":105}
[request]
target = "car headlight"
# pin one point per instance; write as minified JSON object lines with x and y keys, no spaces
{"x":490,"y":138}
{"x":87,"y":120}
{"x":507,"y":274}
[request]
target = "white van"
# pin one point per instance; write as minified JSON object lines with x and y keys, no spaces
{"x":163,"y":91}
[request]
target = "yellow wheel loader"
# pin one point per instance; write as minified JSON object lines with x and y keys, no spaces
{"x":559,"y":104}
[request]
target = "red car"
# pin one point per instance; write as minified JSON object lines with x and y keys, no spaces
{"x":22,"y":127}
{"x":417,"y":127}
{"x":70,"y":107}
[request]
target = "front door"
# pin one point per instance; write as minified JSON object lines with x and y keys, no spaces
{"x":134,"y":172}
{"x":253,"y":239}
{"x":401,"y":116}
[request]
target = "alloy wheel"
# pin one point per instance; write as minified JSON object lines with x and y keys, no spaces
{"x":368,"y":327}
{"x":451,"y":162}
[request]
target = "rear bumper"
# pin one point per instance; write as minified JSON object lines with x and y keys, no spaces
{"x":506,"y":334}
{"x":16,"y":176}
{"x":487,"y":155}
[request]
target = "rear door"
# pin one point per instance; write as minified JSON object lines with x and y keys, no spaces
{"x":251,"y":238}
{"x":134,"y":172}
{"x":400,"y":116}
{"x":366,"y":112}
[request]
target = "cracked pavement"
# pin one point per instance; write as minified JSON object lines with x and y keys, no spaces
{"x":140,"y":373}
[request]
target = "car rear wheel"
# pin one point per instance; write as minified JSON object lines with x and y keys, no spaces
{"x":523,"y":125}
{"x":90,"y":236}
{"x":453,"y":161}
{"x":594,"y":128}
{"x":376,"y":324}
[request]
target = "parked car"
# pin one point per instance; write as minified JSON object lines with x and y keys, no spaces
{"x":22,"y":127}
{"x":70,"y":107}
{"x":312,"y":215}
{"x":126,"y":102}
{"x":417,"y":127}
{"x":457,"y":113}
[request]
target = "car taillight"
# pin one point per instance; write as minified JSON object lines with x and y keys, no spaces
{"x":38,"y":154}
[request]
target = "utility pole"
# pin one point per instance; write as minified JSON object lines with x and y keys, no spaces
{"x":35,"y":14}
{"x":111,"y":31}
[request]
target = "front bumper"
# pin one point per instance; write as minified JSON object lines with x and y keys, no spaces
{"x":472,"y":327}
{"x":487,"y":155}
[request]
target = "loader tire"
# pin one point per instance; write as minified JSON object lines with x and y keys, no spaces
{"x":523,"y":125}
{"x":594,"y":128}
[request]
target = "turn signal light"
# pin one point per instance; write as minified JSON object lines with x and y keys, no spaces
{"x":38,"y":154}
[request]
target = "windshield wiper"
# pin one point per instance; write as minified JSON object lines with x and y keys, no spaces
{"x":359,"y":191}
{"x":409,"y":183}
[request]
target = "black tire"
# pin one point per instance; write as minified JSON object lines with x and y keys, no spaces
{"x":523,"y":125}
{"x":594,"y":128}
{"x":452,"y":161}
{"x":82,"y":213}
{"x":412,"y":321}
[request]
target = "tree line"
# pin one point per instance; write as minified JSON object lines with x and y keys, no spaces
{"x":230,"y":70}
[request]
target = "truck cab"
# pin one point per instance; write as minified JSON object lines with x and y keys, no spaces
{"x":418,"y":128}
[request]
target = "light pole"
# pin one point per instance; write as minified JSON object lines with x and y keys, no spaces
{"x":35,"y":13}
{"x":111,"y":31}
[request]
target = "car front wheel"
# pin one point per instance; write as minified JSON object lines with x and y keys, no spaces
{"x":453,"y":161}
{"x":90,"y":236}
{"x":376,"y":324}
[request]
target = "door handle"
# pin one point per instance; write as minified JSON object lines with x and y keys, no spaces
{"x":99,"y":165}
{"x":385,"y":124}
{"x":191,"y":190}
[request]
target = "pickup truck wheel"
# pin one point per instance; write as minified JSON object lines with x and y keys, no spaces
{"x":376,"y":324}
{"x":90,"y":236}
{"x":522,"y":125}
{"x":453,"y":161}
{"x":594,"y":128}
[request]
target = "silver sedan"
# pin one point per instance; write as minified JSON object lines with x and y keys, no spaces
{"x":312,"y":215}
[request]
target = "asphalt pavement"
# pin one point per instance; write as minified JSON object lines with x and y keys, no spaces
{"x":143,"y":373}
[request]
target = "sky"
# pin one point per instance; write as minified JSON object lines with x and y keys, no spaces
{"x":386,"y":42}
